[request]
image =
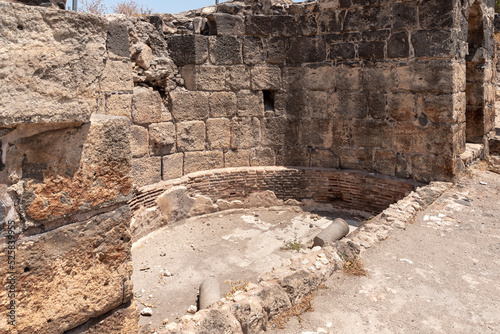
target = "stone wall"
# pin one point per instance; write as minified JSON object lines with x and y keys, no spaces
{"x":379,"y":87}
{"x":64,"y":173}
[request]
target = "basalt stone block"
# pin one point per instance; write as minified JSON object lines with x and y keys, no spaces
{"x":329,"y":21}
{"x":238,"y":77}
{"x":348,"y":105}
{"x":188,"y":106}
{"x":434,"y":43}
{"x":376,"y":35}
{"x":319,"y":76}
{"x":223,"y":104}
{"x":253,"y":50}
{"x":225,"y":50}
{"x":59,"y":272}
{"x":278,"y":132}
{"x":218,"y":133}
{"x":405,"y":16}
{"x":266,"y":77}
{"x":245,"y":132}
{"x":276,"y":52}
{"x":324,"y":159}
{"x":426,"y":168}
{"x":308,"y":25}
{"x":341,"y":51}
{"x":139,"y":141}
{"x":377,"y":104}
{"x":117,"y":42}
{"x":191,"y":136}
{"x":146,"y":171}
{"x":291,"y":104}
{"x":398,"y":46}
{"x":432,"y":76}
{"x":306,"y":49}
{"x":292,"y":78}
{"x":348,"y":77}
{"x":262,"y":157}
{"x":188,"y":49}
{"x":385,"y":162}
{"x":316,"y":133}
{"x":437,"y":14}
{"x":401,"y":106}
{"x":162,"y":138}
{"x":172,"y":166}
{"x":258,"y":25}
{"x":250,"y":103}
{"x":237,"y":158}
{"x":372,"y":134}
{"x":317,"y":104}
{"x":283,"y":25}
{"x":371,"y":50}
{"x":146,"y":106}
{"x":226,"y":24}
{"x":447,"y":108}
{"x":359,"y":159}
{"x":367,"y":18}
{"x":293,"y":156}
{"x":197,"y":161}
{"x":380,"y":77}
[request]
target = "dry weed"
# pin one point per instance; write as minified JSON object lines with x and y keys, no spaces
{"x":296,"y":310}
{"x":353,"y":266}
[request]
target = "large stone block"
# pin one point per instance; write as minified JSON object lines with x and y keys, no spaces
{"x":146,"y":106}
{"x":117,"y":42}
{"x":348,"y":105}
{"x":172,"y":166}
{"x":377,"y":105}
{"x":146,"y":171}
{"x":437,"y":14}
{"x":218,"y":133}
{"x":258,"y":25}
{"x":211,"y":78}
{"x":293,"y":156}
{"x":245,"y":132}
{"x":197,"y":161}
{"x":139,"y":141}
{"x":372,"y":133}
{"x":324,"y":159}
{"x":283,"y":25}
{"x":319,"y":77}
{"x":250,"y":103}
{"x":262,"y":157}
{"x":317,"y":133}
{"x":238,"y":77}
{"x":348,"y":77}
{"x":306,"y":49}
{"x":266,"y":77}
{"x":317,"y":104}
{"x":405,"y":16}
{"x":380,"y":77}
{"x":371,"y":50}
{"x":188,"y":49}
{"x":253,"y":50}
{"x":225,"y":50}
{"x":162,"y":138}
{"x":434,"y":43}
{"x":188,"y":106}
{"x":341,"y":51}
{"x":359,"y":159}
{"x":401,"y":106}
{"x":222,"y":104}
{"x":398,"y":46}
{"x":330,"y":21}
{"x":368,"y":18}
{"x":276,"y":50}
{"x":117,"y":76}
{"x":278,"y":132}
{"x":291,"y":104}
{"x":432,"y":76}
{"x":191,"y":136}
{"x":58,"y":273}
{"x":237,"y":158}
{"x":119,"y":105}
{"x":226,"y":24}
{"x":385,"y":162}
{"x":434,"y":139}
{"x":293,"y":78}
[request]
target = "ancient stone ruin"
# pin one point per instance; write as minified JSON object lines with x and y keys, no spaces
{"x":347,"y":103}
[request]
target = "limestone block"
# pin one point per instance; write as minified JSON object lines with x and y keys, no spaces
{"x":377,"y":104}
{"x":348,"y":105}
{"x":222,"y":104}
{"x":191,"y":136}
{"x":117,"y":42}
{"x":95,"y":255}
{"x":237,"y":158}
{"x":225,"y":50}
{"x":196,"y":161}
{"x":119,"y":105}
{"x":250,"y":103}
{"x":299,"y":284}
{"x":317,"y":104}
{"x":401,"y":106}
{"x":434,"y":139}
{"x":274,"y":300}
{"x":172,"y":166}
{"x":258,"y":25}
{"x":50,"y":71}
{"x":266,"y":77}
{"x":218,"y":133}
{"x":372,"y":133}
{"x":293,"y":78}
{"x":359,"y":159}
{"x":117,"y":76}
{"x":293,"y":156}
{"x":316,"y":133}
{"x":238,"y":77}
{"x":385,"y":162}
{"x":253,"y":50}
{"x":319,"y":77}
{"x":175,"y":203}
{"x":278,"y":132}
{"x":162,"y":138}
{"x":226,"y":24}
{"x":71,"y":170}
{"x":324,"y":159}
{"x":245,"y":132}
{"x":187,"y":106}
{"x":432,"y":76}
{"x":291,"y":104}
{"x":146,"y":106}
{"x":276,"y":50}
{"x":380,"y":77}
{"x":201,"y":206}
{"x":212,"y":78}
{"x":139,"y":141}
{"x":188,"y":49}
{"x":146,"y":171}
{"x":145,"y":57}
{"x":262,"y":157}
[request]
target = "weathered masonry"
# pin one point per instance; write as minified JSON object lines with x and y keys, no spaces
{"x":94,"y":108}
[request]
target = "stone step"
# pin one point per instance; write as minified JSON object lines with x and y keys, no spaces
{"x":494,"y":144}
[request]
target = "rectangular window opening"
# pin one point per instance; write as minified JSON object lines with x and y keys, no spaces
{"x":268,"y":100}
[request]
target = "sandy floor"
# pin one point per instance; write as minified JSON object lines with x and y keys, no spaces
{"x":232,"y":246}
{"x":440,"y":275}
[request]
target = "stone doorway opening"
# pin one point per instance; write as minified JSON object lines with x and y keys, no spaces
{"x":475,"y":69}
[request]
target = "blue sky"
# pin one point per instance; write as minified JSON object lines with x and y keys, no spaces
{"x":163,"y":6}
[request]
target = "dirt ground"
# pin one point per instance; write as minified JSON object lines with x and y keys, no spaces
{"x":171,"y":263}
{"x":440,"y":275}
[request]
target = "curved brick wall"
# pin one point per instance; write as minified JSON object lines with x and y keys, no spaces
{"x":342,"y":188}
